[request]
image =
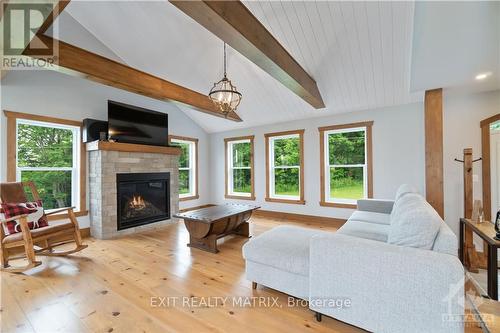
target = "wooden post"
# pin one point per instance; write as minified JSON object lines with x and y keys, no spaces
{"x":471,"y":258}
{"x":434,"y":190}
{"x":468,"y":183}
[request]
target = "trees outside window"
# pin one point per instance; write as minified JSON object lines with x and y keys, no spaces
{"x":49,"y":155}
{"x":285,"y":171}
{"x":346,"y":163}
{"x":239,"y":168}
{"x":188,"y":167}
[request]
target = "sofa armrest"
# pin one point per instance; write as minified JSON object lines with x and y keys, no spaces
{"x":389,"y":288}
{"x":376,"y":205}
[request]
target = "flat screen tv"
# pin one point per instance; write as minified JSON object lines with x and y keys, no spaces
{"x":132,"y":124}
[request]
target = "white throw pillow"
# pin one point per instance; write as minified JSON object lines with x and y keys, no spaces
{"x":404,"y":189}
{"x":401,"y":192}
{"x":414,"y":223}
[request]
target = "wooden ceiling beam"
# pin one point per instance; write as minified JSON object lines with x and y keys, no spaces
{"x":232,"y":22}
{"x":75,"y":61}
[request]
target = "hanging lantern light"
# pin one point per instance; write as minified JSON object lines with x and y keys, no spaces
{"x":224,"y":95}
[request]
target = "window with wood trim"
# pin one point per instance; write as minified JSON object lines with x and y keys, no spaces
{"x":239,"y":168}
{"x":285,"y":167}
{"x":49,"y":152}
{"x":346,"y":160}
{"x":188,"y":167}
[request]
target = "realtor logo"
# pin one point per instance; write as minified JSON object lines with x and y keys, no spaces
{"x":20,"y":24}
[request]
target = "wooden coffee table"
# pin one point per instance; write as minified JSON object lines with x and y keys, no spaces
{"x":206,"y":225}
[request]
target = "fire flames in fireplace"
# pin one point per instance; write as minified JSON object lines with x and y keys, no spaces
{"x":138,"y":207}
{"x":137,"y":202}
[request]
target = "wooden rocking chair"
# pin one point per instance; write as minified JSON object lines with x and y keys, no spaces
{"x":45,"y":238}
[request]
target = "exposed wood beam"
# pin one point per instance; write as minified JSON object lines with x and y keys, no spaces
{"x":79,"y":62}
{"x":232,"y":22}
{"x":434,"y":149}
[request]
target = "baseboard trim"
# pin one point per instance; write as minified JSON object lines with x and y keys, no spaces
{"x":299,"y":217}
{"x":194,"y":208}
{"x":85,"y":232}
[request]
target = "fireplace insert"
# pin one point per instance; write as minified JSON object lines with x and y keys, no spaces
{"x":142,"y":198}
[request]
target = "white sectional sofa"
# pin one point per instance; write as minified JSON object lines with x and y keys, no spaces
{"x":393,"y":266}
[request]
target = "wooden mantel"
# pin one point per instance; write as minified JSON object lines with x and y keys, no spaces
{"x":132,"y":148}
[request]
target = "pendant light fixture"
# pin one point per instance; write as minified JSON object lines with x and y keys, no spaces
{"x":225,"y":96}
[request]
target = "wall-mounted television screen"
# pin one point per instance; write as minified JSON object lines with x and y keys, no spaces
{"x":132,"y":124}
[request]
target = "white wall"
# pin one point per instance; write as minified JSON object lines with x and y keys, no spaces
{"x":398,"y":156}
{"x":52,"y":94}
{"x":461,"y":116}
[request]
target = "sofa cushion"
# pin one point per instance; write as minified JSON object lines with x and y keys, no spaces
{"x":414,"y":223}
{"x":283,"y":247}
{"x":403,"y":190}
{"x":446,"y":241}
{"x":371,"y":217}
{"x":367,"y":230}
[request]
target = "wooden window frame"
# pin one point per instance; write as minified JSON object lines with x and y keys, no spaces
{"x":369,"y":160}
{"x":196,"y":164}
{"x":227,"y":195}
{"x":486,"y":163}
{"x":12,"y":118}
{"x":268,"y":136}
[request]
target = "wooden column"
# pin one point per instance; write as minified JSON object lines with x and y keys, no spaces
{"x":471,"y":257}
{"x":434,"y":149}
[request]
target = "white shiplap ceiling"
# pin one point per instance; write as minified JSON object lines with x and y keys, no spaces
{"x":358,"y":52}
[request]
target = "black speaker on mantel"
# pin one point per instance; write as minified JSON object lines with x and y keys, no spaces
{"x":92,"y":129}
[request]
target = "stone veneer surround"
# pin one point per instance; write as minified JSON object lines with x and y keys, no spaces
{"x":103,"y":167}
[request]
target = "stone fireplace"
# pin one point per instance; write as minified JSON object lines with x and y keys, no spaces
{"x":130,"y":191}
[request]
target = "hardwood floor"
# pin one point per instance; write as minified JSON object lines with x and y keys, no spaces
{"x":117,"y":285}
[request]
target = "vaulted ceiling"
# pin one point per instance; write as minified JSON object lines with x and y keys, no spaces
{"x":359,"y":53}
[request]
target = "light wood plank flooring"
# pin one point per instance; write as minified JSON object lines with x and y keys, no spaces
{"x":110,"y":286}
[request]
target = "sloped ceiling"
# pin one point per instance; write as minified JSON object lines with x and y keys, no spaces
{"x":454,"y":42}
{"x":74,"y":33}
{"x":358,"y":52}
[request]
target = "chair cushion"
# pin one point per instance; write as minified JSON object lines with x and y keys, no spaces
{"x":284,"y":247}
{"x":371,"y":217}
{"x":45,"y":231}
{"x":367,"y":230}
{"x":414,"y":223}
{"x":36,"y":216}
